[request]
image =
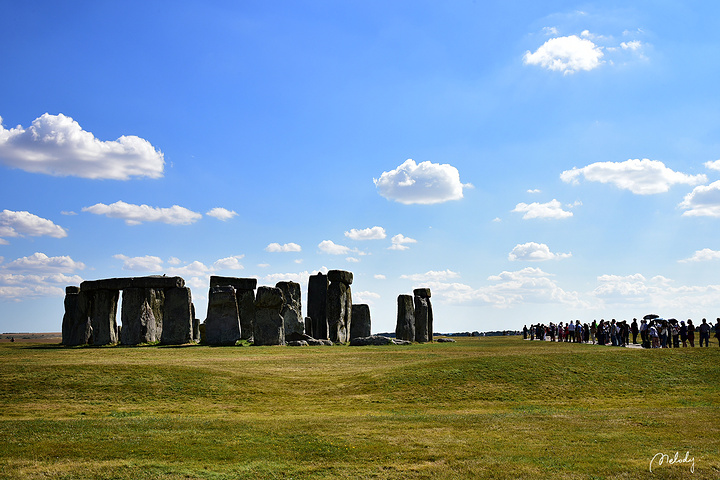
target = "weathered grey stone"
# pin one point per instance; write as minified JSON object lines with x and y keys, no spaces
{"x":422,"y":313}
{"x":177,"y":317}
{"x":294,"y":336}
{"x":268,"y":328}
{"x":360,"y":326}
{"x":445,"y":340}
{"x":153,"y":281}
{"x":308,"y":326}
{"x":76,"y":325}
{"x":292,"y":308}
{"x":395,"y":341}
{"x":103,"y":316}
{"x":72,"y":289}
{"x":422,"y":292}
{"x":327,"y":342}
{"x":341,"y":276}
{"x":313,"y":342}
{"x":339,"y":312}
{"x":370,"y":340}
{"x":196,"y":330}
{"x":246,"y":310}
{"x":297,"y":343}
{"x":137,"y":317}
{"x":317,"y":305}
{"x":236,"y":283}
{"x":405,"y":328}
{"x":156,"y":300}
{"x":203,"y":338}
{"x":222,"y":325}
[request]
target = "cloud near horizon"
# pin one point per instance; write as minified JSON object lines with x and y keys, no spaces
{"x":425,"y":183}
{"x":57,"y":145}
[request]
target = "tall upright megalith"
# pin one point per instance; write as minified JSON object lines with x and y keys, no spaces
{"x":339,"y":305}
{"x":293,"y":321}
{"x":103,"y":316}
{"x":268,"y":328}
{"x":360,"y":326}
{"x":245,"y":297}
{"x":222,"y":326}
{"x":138,"y":319}
{"x":405,"y":328}
{"x":76,"y":325}
{"x":423,"y":315}
{"x":177,"y":317}
{"x":317,"y":306}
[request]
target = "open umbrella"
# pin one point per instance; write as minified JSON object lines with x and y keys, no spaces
{"x":651,"y":316}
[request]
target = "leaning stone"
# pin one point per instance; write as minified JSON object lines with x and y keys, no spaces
{"x":405,"y":327}
{"x":178,"y":318}
{"x":268,"y":328}
{"x":292,"y":308}
{"x":360,"y":326}
{"x":317,"y":305}
{"x":222,"y":326}
{"x":422,"y":312}
{"x":339,"y":316}
{"x":445,"y":340}
{"x":297,"y":336}
{"x":297,"y":343}
{"x":103,"y":316}
{"x":341,"y":276}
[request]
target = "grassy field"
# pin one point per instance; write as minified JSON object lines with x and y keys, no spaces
{"x":480,"y":408}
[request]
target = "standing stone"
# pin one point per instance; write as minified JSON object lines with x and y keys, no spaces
{"x":405,"y":328}
{"x":268,"y":328}
{"x":76,"y":326}
{"x":196,"y":330}
{"x":245,"y":295}
{"x":317,"y":306}
{"x":222,"y":326}
{"x":292,"y":308}
{"x":103,"y":316}
{"x":339,"y":305}
{"x":360,"y":326}
{"x":138,"y":320}
{"x":423,"y":315}
{"x":156,"y":299}
{"x":177,"y":317}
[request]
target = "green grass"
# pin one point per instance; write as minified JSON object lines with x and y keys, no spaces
{"x":480,"y":408}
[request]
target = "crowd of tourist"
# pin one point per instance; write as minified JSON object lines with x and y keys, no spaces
{"x":653,"y":332}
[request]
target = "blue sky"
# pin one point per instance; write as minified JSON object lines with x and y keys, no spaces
{"x":527,"y":161}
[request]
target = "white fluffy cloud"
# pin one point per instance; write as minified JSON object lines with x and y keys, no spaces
{"x":17,"y":224}
{"x":374,"y":233}
{"x":57,"y":145}
{"x":229,"y":263}
{"x":703,"y":201}
{"x":642,"y":177}
{"x":332,"y":248}
{"x":713,"y":165}
{"x":137,"y":214}
{"x":424,"y":183}
{"x":365,"y":296}
{"x":535,"y":252}
{"x":221,"y":213}
{"x":42,"y":263}
{"x":566,"y":54}
{"x":286,"y":247}
{"x":704,"y":255}
{"x":400,"y":241}
{"x":551,"y":209}
{"x":148,"y":263}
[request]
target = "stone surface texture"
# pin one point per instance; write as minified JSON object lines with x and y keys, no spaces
{"x":317,"y":306}
{"x":292,"y":308}
{"x":177,"y":317}
{"x":360,"y":326}
{"x":268,"y":328}
{"x":405,"y":328}
{"x":222,"y":325}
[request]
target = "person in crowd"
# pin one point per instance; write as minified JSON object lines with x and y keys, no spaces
{"x":601,"y":332}
{"x":675,"y":332}
{"x":613,"y":333}
{"x":525,"y":332}
{"x":654,"y":336}
{"x":586,"y":333}
{"x":644,"y":334}
{"x":717,"y":331}
{"x":683,"y":333}
{"x":663,"y":334}
{"x":635,"y":330}
{"x":691,"y":332}
{"x":704,"y":330}
{"x":532,"y":332}
{"x":593,"y":331}
{"x":578,"y":332}
{"x":571,"y":331}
